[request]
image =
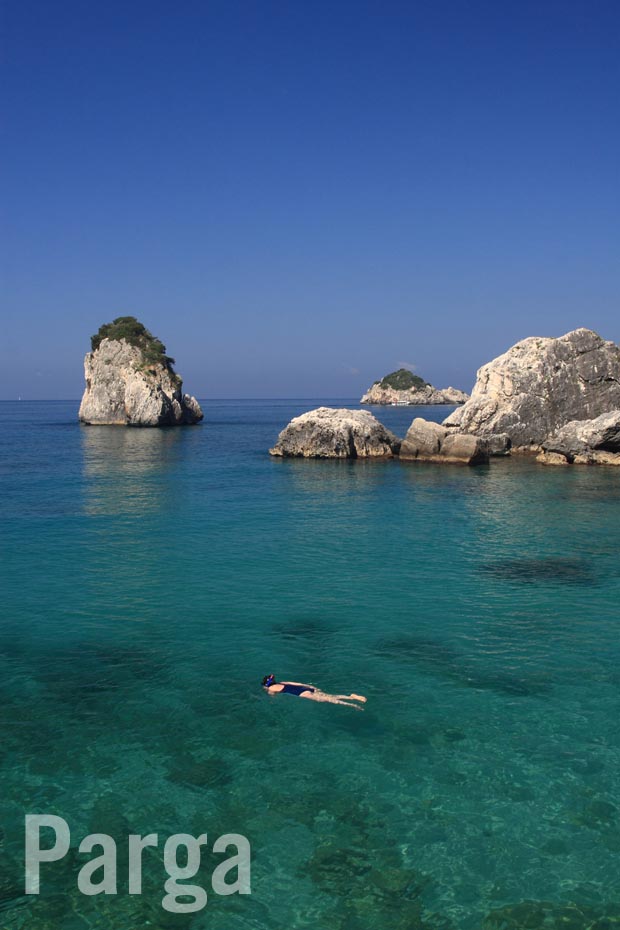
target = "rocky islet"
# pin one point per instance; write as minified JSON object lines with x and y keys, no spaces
{"x":403,"y":388}
{"x":130,"y":381}
{"x":335,"y":433}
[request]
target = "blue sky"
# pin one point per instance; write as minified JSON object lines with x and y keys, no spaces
{"x":298,"y":197}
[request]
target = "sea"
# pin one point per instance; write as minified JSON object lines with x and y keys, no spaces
{"x":151,"y":578}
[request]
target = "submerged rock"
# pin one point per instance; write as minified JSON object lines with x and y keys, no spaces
{"x":560,"y":569}
{"x":541,"y":384}
{"x":430,"y":442}
{"x":330,"y":433}
{"x":130,"y":380}
{"x":402,"y":387}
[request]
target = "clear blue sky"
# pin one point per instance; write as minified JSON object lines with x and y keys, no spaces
{"x":298,"y":197}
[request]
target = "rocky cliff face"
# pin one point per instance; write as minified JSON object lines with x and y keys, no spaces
{"x":123,"y":388}
{"x":330,"y":433}
{"x":379,"y":394}
{"x":541,"y":384}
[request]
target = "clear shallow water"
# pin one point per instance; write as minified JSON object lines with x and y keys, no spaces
{"x":151,"y":578}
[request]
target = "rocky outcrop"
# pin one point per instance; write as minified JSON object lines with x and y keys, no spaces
{"x":431,"y":442}
{"x":385,"y":395}
{"x":585,"y":442}
{"x":330,"y":433}
{"x":423,"y":439}
{"x":125,"y":388}
{"x":552,"y":458}
{"x":498,"y":444}
{"x":541,"y":384}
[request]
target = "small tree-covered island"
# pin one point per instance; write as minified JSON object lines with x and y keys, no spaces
{"x":130,"y":380}
{"x":404,"y":388}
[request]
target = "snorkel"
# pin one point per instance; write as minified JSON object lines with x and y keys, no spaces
{"x":269,"y":680}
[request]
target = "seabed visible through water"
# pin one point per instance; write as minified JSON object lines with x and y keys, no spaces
{"x":151,"y":578}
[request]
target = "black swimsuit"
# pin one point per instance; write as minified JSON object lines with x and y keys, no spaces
{"x":296,"y":689}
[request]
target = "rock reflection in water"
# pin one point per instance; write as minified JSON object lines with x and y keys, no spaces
{"x":128,"y":470}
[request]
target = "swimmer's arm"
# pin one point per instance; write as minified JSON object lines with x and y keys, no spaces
{"x":301,"y":683}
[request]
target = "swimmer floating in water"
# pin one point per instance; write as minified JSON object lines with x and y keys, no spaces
{"x":272,"y":686}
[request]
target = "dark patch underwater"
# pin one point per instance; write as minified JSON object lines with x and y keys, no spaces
{"x":439,"y":659}
{"x":570,"y":571}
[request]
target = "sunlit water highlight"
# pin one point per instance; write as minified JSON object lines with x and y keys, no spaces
{"x":151,"y":578}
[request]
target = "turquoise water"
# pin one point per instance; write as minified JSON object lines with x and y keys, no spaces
{"x":151,"y":578}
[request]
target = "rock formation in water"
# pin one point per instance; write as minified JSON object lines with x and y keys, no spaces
{"x":402,"y":387}
{"x":539,"y":386}
{"x":431,"y":442}
{"x":585,"y":442}
{"x":330,"y":433}
{"x":130,"y":380}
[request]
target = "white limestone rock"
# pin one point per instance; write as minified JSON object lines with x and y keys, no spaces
{"x":124,"y":389}
{"x":431,"y":442}
{"x":585,"y":442}
{"x":335,"y":433}
{"x":541,"y":384}
{"x":427,"y":395}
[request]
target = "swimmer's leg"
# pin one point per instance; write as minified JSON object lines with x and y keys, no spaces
{"x":352,"y":697}
{"x":329,"y":699}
